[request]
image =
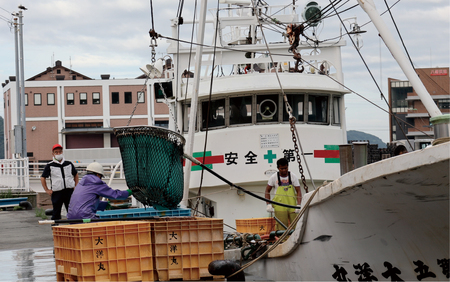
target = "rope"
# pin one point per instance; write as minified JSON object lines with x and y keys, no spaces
{"x":285,"y":234}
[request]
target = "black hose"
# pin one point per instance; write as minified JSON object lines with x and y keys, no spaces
{"x":238,"y":187}
{"x":26,"y":205}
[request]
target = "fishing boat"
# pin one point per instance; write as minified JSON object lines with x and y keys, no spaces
{"x":386,"y":220}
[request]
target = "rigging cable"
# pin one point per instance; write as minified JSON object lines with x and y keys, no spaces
{"x":399,"y":35}
{"x":191,"y":43}
{"x":373,"y":78}
{"x":364,"y":98}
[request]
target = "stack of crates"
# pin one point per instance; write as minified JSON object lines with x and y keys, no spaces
{"x":184,"y":249}
{"x":104,"y":251}
{"x":260,"y":226}
{"x":164,"y":249}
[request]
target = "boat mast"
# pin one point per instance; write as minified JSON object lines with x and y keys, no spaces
{"x":194,"y":100}
{"x":369,"y":7}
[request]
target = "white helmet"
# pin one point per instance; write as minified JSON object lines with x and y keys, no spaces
{"x":95,"y":167}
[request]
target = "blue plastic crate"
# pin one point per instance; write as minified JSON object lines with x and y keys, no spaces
{"x":143,"y":212}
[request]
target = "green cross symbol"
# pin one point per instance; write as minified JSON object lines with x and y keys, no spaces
{"x":270,"y":157}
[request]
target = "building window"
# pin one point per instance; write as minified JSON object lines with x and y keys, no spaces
{"x":37,"y":99}
{"x":141,"y":97}
{"x":95,"y":98}
{"x":74,"y":77}
{"x":83,"y":98}
{"x":115,"y":97}
{"x":50,"y":98}
{"x":128,"y":99}
{"x":85,"y":125}
{"x":58,"y":71}
{"x":70,"y":99}
{"x":443,"y":103}
{"x":26,"y":100}
{"x":162,"y":123}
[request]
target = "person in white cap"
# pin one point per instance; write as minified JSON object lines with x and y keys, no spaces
{"x":63,"y":179}
{"x":86,"y":198}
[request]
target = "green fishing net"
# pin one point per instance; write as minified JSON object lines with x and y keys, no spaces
{"x":153,"y":164}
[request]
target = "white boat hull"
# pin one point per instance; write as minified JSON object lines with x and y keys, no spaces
{"x":386,"y":220}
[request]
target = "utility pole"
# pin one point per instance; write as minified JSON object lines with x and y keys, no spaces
{"x":18,"y":126}
{"x":20,"y":130}
{"x":22,"y":86}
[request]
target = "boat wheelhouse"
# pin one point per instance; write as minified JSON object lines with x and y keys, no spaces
{"x":242,"y":120}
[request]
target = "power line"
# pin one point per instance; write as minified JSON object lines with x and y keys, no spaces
{"x":6,"y":10}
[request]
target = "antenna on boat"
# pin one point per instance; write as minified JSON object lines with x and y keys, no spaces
{"x":355,"y":31}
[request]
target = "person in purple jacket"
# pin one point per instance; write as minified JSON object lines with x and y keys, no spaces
{"x":85,"y":199}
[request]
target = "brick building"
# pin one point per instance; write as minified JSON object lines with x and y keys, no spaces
{"x":66,"y":107}
{"x":407,"y":106}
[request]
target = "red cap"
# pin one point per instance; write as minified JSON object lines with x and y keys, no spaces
{"x":56,"y":146}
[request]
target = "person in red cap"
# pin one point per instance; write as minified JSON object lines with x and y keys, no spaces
{"x":63,"y":179}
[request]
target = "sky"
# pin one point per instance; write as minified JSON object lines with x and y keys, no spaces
{"x":111,"y":37}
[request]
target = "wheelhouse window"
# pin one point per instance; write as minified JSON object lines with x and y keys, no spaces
{"x":37,"y":99}
{"x":115,"y":97}
{"x":128,"y":99}
{"x":296,"y":101}
{"x":267,"y":106}
{"x":83,"y":98}
{"x":187,"y":117}
{"x":215,"y":116}
{"x":141,"y":97}
{"x":70,"y":99}
{"x":336,"y":110}
{"x":95,"y":98}
{"x":240,"y":110}
{"x":50,"y":98}
{"x":317,"y":108}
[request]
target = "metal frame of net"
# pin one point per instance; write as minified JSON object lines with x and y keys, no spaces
{"x":153,"y":164}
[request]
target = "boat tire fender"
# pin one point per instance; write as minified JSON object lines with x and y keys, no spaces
{"x":226,"y":268}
